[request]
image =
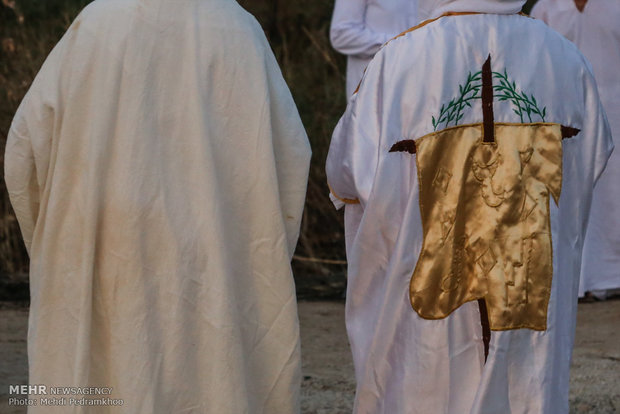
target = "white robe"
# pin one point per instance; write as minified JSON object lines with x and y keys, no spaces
{"x":360,"y":27}
{"x":596,"y":33}
{"x":158,"y":169}
{"x":407,"y":364}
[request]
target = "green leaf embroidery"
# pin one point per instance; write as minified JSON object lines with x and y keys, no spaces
{"x":504,"y":90}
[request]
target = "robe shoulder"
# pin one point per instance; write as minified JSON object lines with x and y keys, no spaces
{"x":455,"y":22}
{"x":107,"y":17}
{"x":434,"y":31}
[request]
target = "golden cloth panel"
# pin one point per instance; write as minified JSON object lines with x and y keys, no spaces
{"x":485,"y":216}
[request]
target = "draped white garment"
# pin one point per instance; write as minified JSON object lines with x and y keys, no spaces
{"x":406,"y":364}
{"x":596,"y":32}
{"x":430,"y":9}
{"x":158,"y":169}
{"x":360,"y":27}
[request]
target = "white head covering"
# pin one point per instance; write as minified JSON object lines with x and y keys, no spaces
{"x":429,"y":9}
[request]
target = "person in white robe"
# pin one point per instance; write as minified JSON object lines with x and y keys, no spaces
{"x":593,"y":26}
{"x":360,"y":27}
{"x":471,"y":149}
{"x":158,"y":169}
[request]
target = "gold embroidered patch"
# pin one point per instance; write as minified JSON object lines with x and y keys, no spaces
{"x":485,"y":216}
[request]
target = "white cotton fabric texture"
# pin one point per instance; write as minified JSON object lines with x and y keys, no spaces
{"x":406,"y":364}
{"x":360,"y":27}
{"x":158,"y":169}
{"x":596,"y":33}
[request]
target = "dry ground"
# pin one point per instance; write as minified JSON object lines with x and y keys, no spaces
{"x":328,"y":385}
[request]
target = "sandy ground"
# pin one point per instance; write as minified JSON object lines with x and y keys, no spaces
{"x":328,"y":385}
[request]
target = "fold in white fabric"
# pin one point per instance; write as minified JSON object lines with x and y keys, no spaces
{"x":406,"y":364}
{"x":430,"y":9}
{"x":158,"y":168}
{"x":596,"y":33}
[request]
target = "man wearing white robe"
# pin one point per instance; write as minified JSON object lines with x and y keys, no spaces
{"x":481,"y":107}
{"x":593,"y":27}
{"x":360,"y":27}
{"x":158,"y":169}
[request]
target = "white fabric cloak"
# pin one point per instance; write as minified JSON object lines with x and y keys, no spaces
{"x":430,"y":9}
{"x":158,"y":169}
{"x":407,"y":364}
{"x":596,"y":33}
{"x":360,"y":27}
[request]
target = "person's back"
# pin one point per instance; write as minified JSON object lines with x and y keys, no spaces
{"x":504,"y":119}
{"x":158,"y":168}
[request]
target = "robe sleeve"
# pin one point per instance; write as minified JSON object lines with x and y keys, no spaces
{"x":27,"y":149}
{"x":292,"y":155}
{"x":355,"y":146}
{"x":21,"y":182}
{"x":597,"y":126}
{"x":349,"y":33}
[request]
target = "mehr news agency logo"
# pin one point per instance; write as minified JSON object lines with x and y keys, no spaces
{"x":42,"y":395}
